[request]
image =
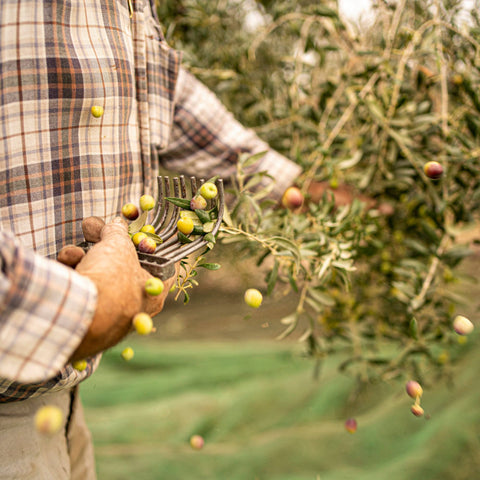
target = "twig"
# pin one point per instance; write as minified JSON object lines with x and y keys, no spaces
{"x":418,"y":300}
{"x":239,"y":231}
{"x":331,"y":103}
{"x":281,"y":122}
{"x":308,"y":176}
{"x":398,"y":80}
{"x":443,"y":72}
{"x":394,"y":28}
{"x":267,"y":31}
{"x":183,"y":285}
{"x":407,"y":53}
{"x":295,"y":16}
{"x":301,"y":302}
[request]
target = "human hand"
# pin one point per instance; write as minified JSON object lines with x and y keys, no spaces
{"x":344,"y":194}
{"x":112,"y":264}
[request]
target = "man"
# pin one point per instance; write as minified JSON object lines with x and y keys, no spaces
{"x":60,"y":164}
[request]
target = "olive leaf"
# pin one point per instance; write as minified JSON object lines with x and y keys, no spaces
{"x":137,"y":224}
{"x":203,"y":216}
{"x":209,"y":237}
{"x":179,"y":202}
{"x":183,"y":238}
{"x":210,"y":266}
{"x":155,"y":237}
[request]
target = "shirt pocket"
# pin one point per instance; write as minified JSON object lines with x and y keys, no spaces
{"x":162,"y":66}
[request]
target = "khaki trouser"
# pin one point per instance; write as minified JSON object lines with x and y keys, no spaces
{"x":26,"y":454}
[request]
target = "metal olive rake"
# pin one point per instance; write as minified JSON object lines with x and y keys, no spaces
{"x":161,"y":263}
{"x":165,"y":216}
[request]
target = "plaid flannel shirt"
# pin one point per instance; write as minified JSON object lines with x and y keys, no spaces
{"x":60,"y":164}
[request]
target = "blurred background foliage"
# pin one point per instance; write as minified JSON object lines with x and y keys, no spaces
{"x":365,"y":105}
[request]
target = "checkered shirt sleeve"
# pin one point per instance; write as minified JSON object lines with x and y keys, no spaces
{"x":206,"y":139}
{"x":41,"y":292}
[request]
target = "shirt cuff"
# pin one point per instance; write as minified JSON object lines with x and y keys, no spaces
{"x":282,"y":172}
{"x":46,"y":309}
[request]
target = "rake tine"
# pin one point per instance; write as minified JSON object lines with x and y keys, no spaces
{"x":168,"y":233}
{"x":175,"y":247}
{"x":193,"y":183}
{"x":171,"y":240}
{"x":164,"y":191}
{"x":183,"y":186}
{"x":181,"y":246}
{"x":190,"y":248}
{"x":169,"y":229}
{"x":221,"y":206}
{"x":195,"y":187}
{"x":161,"y":209}
{"x":171,"y":250}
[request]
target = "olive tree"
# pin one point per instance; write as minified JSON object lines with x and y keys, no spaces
{"x":369,"y":106}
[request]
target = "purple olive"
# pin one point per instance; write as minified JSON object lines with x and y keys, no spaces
{"x":147,"y":245}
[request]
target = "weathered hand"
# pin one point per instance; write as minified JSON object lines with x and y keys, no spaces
{"x":112,"y":264}
{"x":342,"y":195}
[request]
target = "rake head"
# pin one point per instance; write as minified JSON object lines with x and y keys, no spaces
{"x":164,"y":217}
{"x":161,"y":263}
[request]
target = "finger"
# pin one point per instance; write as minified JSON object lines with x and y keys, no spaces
{"x":153,"y":304}
{"x":117,"y":227}
{"x":115,"y":248}
{"x":155,"y":291}
{"x":177,"y":271}
{"x":70,"y":255}
{"x":172,"y":280}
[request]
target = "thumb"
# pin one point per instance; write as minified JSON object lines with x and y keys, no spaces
{"x":117,"y":227}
